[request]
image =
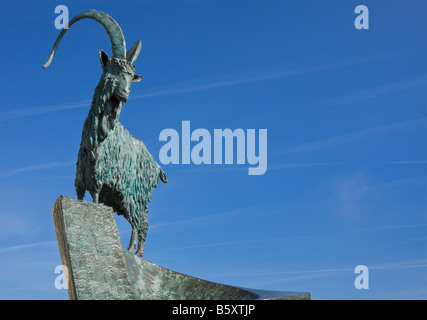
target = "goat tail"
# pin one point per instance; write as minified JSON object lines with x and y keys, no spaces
{"x":163,"y":177}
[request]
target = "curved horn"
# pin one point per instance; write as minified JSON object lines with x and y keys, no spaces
{"x":114,"y":31}
{"x":133,"y":53}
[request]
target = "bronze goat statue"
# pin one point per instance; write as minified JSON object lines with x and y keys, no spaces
{"x":113,"y":165}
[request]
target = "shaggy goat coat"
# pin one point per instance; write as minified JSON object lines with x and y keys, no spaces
{"x":112,"y":162}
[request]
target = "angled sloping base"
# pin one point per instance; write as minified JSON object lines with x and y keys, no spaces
{"x":100,"y":268}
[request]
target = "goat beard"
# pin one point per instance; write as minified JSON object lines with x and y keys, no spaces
{"x":116,"y":107}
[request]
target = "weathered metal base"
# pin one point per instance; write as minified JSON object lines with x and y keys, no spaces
{"x":100,"y":268}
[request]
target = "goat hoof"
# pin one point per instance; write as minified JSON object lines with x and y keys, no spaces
{"x":139,"y":253}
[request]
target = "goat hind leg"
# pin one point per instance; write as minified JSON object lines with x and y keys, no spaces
{"x":142,"y":234}
{"x":132,"y":242}
{"x":141,"y":242}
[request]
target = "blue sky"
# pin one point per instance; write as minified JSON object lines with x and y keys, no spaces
{"x":345,"y":111}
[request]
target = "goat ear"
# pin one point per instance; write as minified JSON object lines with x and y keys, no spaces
{"x":103,"y":58}
{"x":137,"y":78}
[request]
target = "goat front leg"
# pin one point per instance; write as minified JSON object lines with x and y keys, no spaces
{"x":80,"y":193}
{"x":132,"y":242}
{"x":142,"y":234}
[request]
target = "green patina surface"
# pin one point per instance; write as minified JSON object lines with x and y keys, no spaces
{"x":100,"y":268}
{"x":90,"y":248}
{"x":113,"y":165}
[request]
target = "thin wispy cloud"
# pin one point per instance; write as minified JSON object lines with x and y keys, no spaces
{"x":290,"y":276}
{"x":350,"y":195}
{"x":394,"y":245}
{"x":205,"y":83}
{"x":321,"y":272}
{"x":357,"y":96}
{"x":207,"y":220}
{"x":228,"y":243}
{"x":369,"y":133}
{"x":405,"y":162}
{"x":44,"y":287}
{"x":27,"y":112}
{"x":305,"y":165}
{"x":399,"y":183}
{"x":391,"y":227}
{"x":37,"y":167}
{"x":18,"y":224}
{"x":278,"y":166}
{"x":243,"y":242}
{"x":242,"y":77}
{"x":281,"y":166}
{"x":253,"y":75}
{"x":26,"y":246}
